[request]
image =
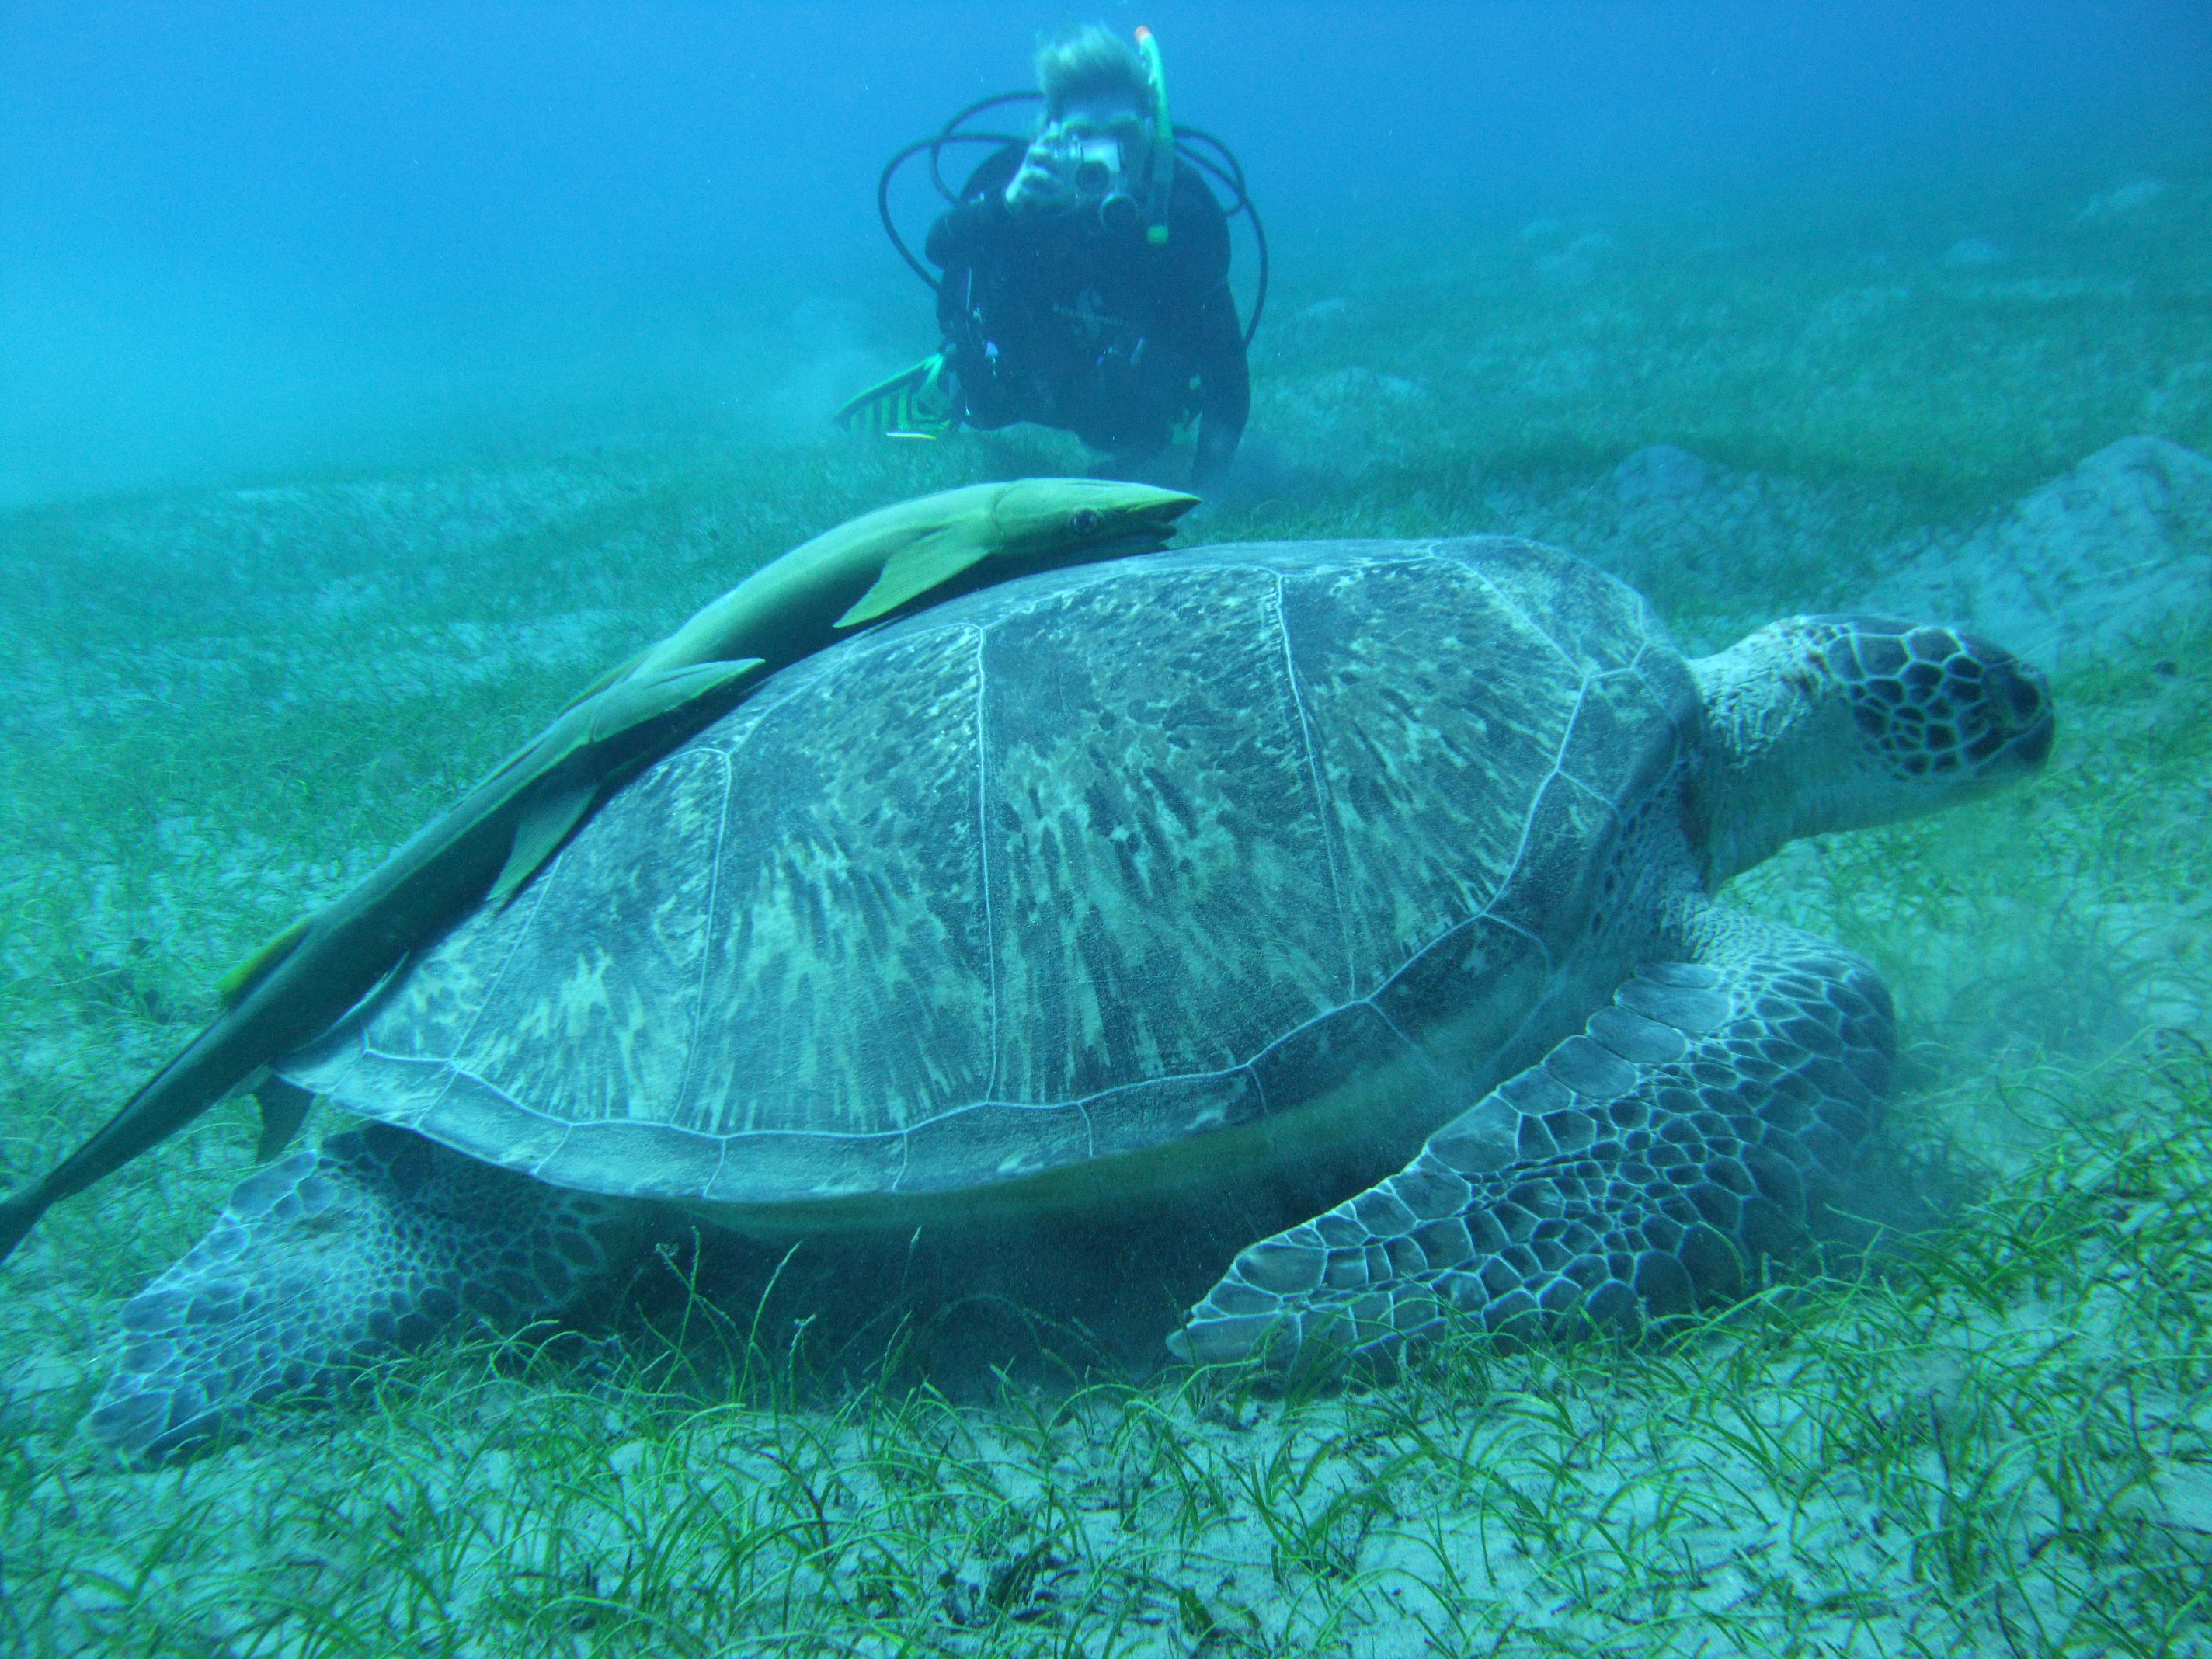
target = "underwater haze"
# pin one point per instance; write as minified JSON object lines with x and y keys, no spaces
{"x":378,"y":382}
{"x":246,"y":236}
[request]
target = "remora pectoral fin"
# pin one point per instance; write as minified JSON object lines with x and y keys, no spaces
{"x":550,"y":821}
{"x":250,"y":972}
{"x":915,"y":569}
{"x":596,"y":730}
{"x":283,"y":1110}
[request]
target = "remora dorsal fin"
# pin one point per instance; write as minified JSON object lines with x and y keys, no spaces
{"x":915,"y":569}
{"x":627,"y":703}
{"x":251,"y":971}
{"x":620,"y":670}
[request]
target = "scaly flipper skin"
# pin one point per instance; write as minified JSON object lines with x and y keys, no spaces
{"x":1636,"y":1172}
{"x":331,"y":1259}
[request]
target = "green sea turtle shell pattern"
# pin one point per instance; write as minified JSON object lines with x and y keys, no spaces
{"x":1071,"y":869}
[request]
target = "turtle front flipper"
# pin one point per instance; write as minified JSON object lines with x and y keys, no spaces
{"x":1635,"y":1172}
{"x":368,"y":1245}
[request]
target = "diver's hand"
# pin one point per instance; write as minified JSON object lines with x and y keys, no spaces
{"x":1041,"y":185}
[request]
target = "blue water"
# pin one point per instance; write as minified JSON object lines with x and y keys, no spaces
{"x":242,"y":237}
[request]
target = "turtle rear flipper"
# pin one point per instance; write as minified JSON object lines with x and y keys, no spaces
{"x":1692,"y":1127}
{"x":334,"y":1258}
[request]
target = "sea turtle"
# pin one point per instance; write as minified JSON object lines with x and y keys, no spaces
{"x":1153,"y":883}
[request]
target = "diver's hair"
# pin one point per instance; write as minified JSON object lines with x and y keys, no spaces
{"x":1090,"y":62}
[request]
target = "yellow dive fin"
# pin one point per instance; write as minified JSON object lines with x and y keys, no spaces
{"x":916,"y":568}
{"x":915,"y":403}
{"x":250,"y":972}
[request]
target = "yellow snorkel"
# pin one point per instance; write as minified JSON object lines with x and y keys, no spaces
{"x":1162,"y":169}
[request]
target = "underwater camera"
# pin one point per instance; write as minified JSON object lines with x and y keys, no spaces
{"x":1093,"y":165}
{"x":1129,"y":190}
{"x":1097,"y":175}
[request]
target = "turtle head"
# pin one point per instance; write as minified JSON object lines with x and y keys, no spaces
{"x":1835,"y":722}
{"x":1042,"y":522}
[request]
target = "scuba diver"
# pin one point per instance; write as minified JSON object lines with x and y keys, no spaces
{"x":1084,"y":273}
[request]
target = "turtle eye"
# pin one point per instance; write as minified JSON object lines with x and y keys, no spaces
{"x":1085,"y":521}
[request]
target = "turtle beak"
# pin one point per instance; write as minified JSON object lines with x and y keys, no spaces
{"x":2007,"y":720}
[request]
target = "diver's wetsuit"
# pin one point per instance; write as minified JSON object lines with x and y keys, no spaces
{"x":1054,"y":318}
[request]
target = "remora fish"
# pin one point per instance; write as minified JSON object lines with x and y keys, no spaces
{"x":866,"y":570}
{"x":898,"y":559}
